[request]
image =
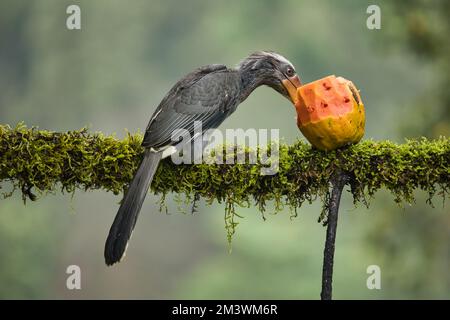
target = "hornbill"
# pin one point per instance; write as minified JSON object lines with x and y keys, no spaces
{"x":209,"y":94}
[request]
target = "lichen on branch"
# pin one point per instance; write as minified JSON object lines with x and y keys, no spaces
{"x":39,"y":161}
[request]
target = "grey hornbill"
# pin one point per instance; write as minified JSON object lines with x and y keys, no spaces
{"x":208,"y":94}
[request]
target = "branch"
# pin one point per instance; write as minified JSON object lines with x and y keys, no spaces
{"x":338,"y":181}
{"x":33,"y":160}
{"x":38,"y":161}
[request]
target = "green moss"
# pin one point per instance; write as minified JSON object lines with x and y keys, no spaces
{"x":38,"y":161}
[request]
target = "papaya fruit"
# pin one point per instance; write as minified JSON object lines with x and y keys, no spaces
{"x":330,"y":113}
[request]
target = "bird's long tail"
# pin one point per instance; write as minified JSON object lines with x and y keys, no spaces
{"x":126,"y":217}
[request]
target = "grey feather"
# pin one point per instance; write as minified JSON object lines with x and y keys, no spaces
{"x":126,"y":217}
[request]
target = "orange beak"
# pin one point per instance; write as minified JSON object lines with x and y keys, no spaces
{"x":291,"y":84}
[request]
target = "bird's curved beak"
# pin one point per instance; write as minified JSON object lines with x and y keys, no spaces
{"x":291,"y":84}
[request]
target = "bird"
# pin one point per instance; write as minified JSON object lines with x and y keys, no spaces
{"x":209,"y":94}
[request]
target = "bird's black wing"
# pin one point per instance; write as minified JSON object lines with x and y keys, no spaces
{"x":209,"y":95}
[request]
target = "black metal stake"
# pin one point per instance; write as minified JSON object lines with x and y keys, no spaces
{"x":338,"y":182}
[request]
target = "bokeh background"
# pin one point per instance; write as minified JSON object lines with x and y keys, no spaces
{"x":111,"y":75}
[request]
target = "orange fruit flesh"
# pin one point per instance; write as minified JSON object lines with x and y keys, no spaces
{"x":330,"y":113}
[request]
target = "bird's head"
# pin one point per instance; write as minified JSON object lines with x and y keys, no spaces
{"x":271,"y":69}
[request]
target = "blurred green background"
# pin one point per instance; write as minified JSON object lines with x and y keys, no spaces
{"x":111,"y":74}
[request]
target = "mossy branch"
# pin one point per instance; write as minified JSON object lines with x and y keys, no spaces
{"x":39,"y":161}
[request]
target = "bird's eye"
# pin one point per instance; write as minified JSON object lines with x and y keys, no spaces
{"x":290,"y":72}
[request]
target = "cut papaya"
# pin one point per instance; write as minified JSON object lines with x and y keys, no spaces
{"x":330,"y":113}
